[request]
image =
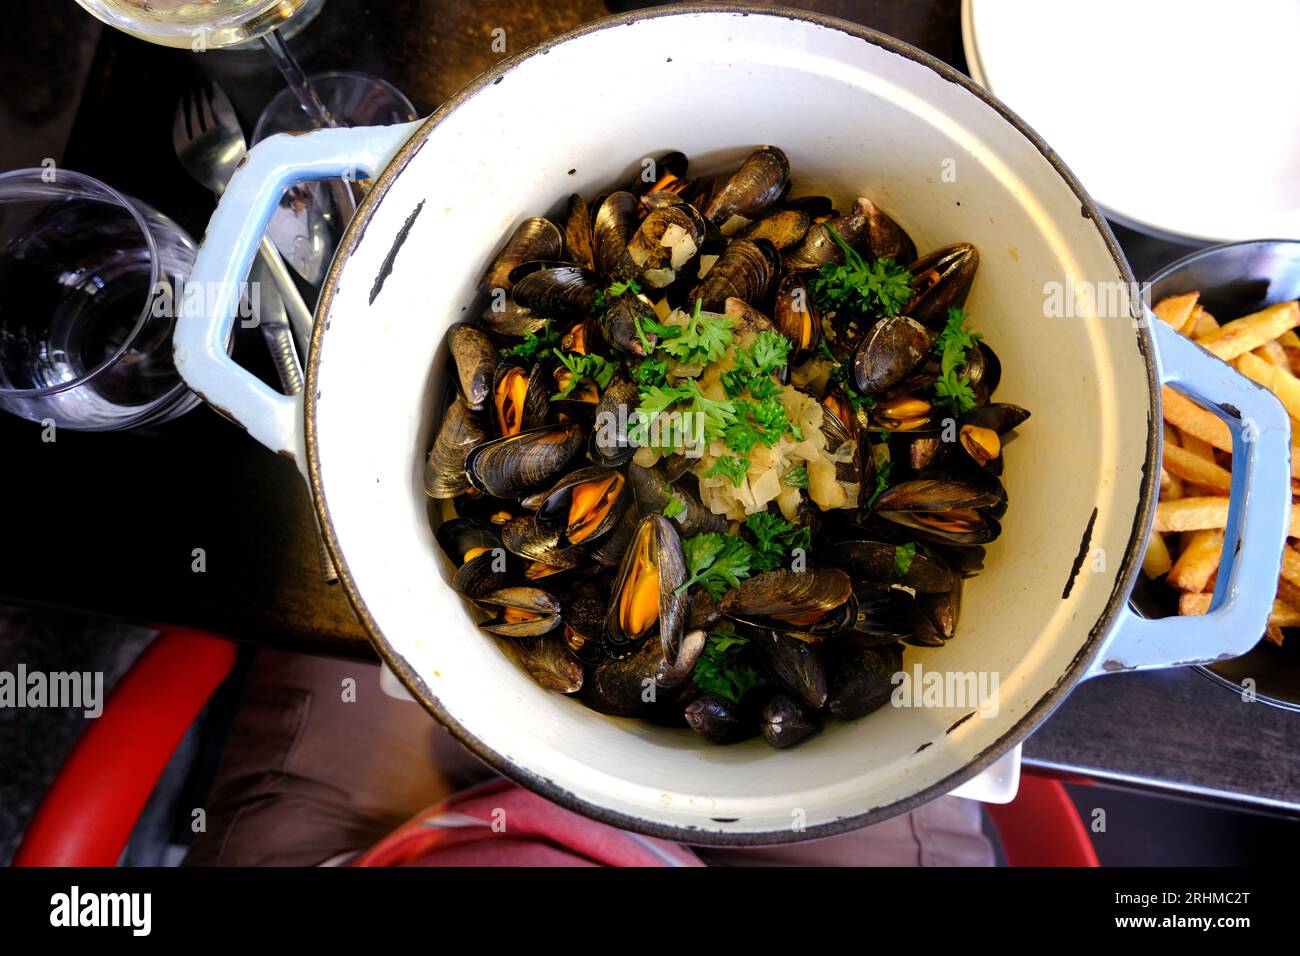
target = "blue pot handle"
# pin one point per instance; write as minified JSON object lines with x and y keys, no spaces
{"x":1259,"y":512}
{"x":226,"y":254}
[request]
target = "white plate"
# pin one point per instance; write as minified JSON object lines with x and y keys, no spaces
{"x":1180,"y":117}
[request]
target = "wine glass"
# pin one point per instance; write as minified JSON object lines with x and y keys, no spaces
{"x":200,"y":25}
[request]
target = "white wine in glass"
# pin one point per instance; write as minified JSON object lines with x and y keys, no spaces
{"x":195,"y":24}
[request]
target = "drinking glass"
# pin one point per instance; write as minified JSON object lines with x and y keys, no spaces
{"x":90,"y":281}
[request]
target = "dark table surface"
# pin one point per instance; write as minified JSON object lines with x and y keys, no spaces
{"x":109,"y":523}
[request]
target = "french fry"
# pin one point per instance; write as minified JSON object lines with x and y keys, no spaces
{"x":1184,"y":414}
{"x":1277,"y":379}
{"x":1291,"y":565}
{"x":1199,"y":560}
{"x":1177,"y":309}
{"x":1273,"y":353}
{"x":1288,"y":593}
{"x":1196,"y":514}
{"x":1170,"y":487}
{"x":1289,"y":340}
{"x":1202,"y":324}
{"x":1283,"y":615}
{"x":1250,"y":332}
{"x":1188,"y":465}
{"x":1196,"y":446}
{"x":1157,"y":560}
{"x":1274,"y":635}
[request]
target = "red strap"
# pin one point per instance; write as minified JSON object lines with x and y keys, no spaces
{"x":1041,"y":827}
{"x":89,"y":813}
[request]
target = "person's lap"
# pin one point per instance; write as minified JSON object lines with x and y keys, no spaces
{"x":320,"y":763}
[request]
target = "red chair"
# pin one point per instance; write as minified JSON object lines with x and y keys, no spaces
{"x":89,"y":813}
{"x":1042,"y":827}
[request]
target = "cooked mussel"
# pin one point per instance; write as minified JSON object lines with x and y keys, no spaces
{"x":796,"y":316}
{"x":615,"y":221}
{"x":584,"y":620}
{"x":784,"y":228}
{"x":808,"y":602}
{"x":611,"y":445}
{"x":745,"y":270}
{"x":534,"y":238}
{"x":719,"y":719}
{"x":578,"y":246}
{"x":654,"y":493}
{"x":868,"y":560}
{"x":796,"y":665}
{"x":941,"y":281}
{"x":520,"y":611}
{"x":482,"y":562}
{"x":547,"y":660}
{"x":520,"y":398}
{"x":883,"y":238}
{"x":646,"y":596}
{"x":623,"y":323}
{"x":528,"y":539}
{"x":512,"y":466}
{"x":664,"y":243}
{"x":584,"y":505}
{"x":890,"y":350}
{"x":553,"y":287}
{"x":444,"y":468}
{"x":785,"y":721}
{"x":862,"y":679}
{"x":760,"y":181}
{"x":476,"y":363}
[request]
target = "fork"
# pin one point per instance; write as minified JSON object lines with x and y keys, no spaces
{"x":210,"y":145}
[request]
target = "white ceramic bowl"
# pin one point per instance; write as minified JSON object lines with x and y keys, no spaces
{"x":857,"y":113}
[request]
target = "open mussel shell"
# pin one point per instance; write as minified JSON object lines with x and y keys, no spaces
{"x":513,"y":466}
{"x":667,"y":173}
{"x":534,"y":238}
{"x":890,"y":350}
{"x":623,"y":324}
{"x":959,"y":526}
{"x":796,"y":316}
{"x":760,"y":181}
{"x":475,"y":548}
{"x":784,"y":721}
{"x":507,"y":319}
{"x":943,"y":610}
{"x":578,"y":245}
{"x":476,"y":364}
{"x":585,"y":505}
{"x":941,"y":281}
{"x":616,"y":219}
{"x":819,"y":247}
{"x":555,"y":287}
{"x":610,"y":444}
{"x":720,"y":720}
{"x":645,"y":595}
{"x":798,"y":602}
{"x":547,"y":660}
{"x":520,"y":398}
{"x":867,"y":560}
{"x":885,"y":614}
{"x":884,"y":238}
{"x":667,"y":239}
{"x":654,"y":493}
{"x":745,"y":270}
{"x":941,"y":492}
{"x":444,"y":469}
{"x":796,"y":665}
{"x":520,"y":611}
{"x":784,"y":228}
{"x":1000,"y":417}
{"x":746,"y":317}
{"x":862,"y":679}
{"x":525,"y":537}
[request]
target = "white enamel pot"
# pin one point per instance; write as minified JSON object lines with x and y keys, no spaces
{"x":858,"y":113}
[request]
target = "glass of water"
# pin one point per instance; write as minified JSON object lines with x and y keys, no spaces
{"x":90,"y":287}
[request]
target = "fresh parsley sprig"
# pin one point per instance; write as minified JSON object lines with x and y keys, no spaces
{"x":879,"y":288}
{"x":775,"y":539}
{"x":593,"y":368}
{"x":953,"y":345}
{"x":720,"y":669}
{"x":716,"y":562}
{"x":704,"y":339}
{"x":534,"y":346}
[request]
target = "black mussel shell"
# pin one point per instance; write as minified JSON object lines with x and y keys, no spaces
{"x":645,"y":596}
{"x":654,"y":493}
{"x":616,"y":219}
{"x":796,"y":665}
{"x":578,"y":245}
{"x":610,"y":443}
{"x":520,"y":611}
{"x":525,"y":537}
{"x":875,"y":561}
{"x":784,"y":228}
{"x":745,"y":270}
{"x":534,"y":238}
{"x":665,"y":242}
{"x":760,"y":181}
{"x":890,"y":350}
{"x":884,"y":238}
{"x":547,"y":660}
{"x":796,"y":317}
{"x":795,"y":601}
{"x":444,"y":468}
{"x":476,"y":364}
{"x":862,"y":679}
{"x":520,"y":398}
{"x":555,"y":287}
{"x":623,"y":323}
{"x":717,"y":719}
{"x":584,"y":505}
{"x":941,"y":281}
{"x":785,"y":721}
{"x":517,"y":464}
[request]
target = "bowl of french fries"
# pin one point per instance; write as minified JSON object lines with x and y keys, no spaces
{"x":1240,"y":302}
